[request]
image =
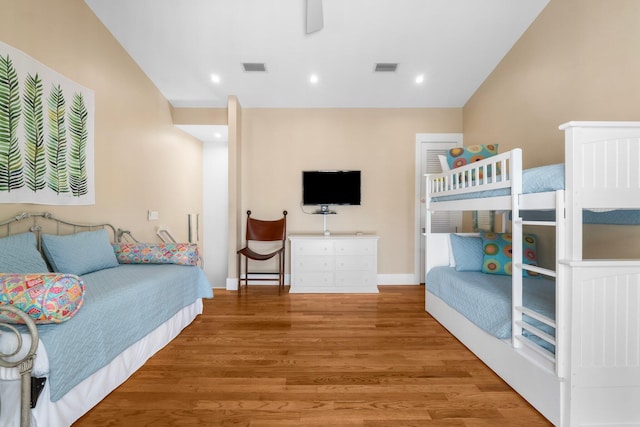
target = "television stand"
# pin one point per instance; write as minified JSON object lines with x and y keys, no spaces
{"x":324,"y":211}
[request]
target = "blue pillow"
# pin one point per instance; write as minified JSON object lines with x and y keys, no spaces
{"x":79,"y":253}
{"x":467,"y":252}
{"x":19,"y":254}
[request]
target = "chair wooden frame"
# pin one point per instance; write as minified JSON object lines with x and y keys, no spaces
{"x":263,"y":231}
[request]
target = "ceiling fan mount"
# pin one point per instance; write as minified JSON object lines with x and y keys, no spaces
{"x":315,"y":20}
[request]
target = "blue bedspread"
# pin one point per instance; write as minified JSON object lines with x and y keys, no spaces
{"x":485,"y":299}
{"x":122,"y":305}
{"x":551,"y":178}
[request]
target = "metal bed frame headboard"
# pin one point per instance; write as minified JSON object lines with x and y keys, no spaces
{"x":45,"y":222}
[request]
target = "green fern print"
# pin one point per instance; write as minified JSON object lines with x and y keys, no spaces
{"x":57,"y":143}
{"x":78,"y":148}
{"x":34,"y":152}
{"x":11,"y":173}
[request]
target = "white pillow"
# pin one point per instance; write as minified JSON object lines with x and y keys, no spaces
{"x":444,"y":165}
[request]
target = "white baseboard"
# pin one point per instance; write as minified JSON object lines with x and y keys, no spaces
{"x":232,"y":283}
{"x":383,"y":279}
{"x":397,"y":279}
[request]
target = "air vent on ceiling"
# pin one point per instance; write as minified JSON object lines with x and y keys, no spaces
{"x":254,"y":66}
{"x":386,"y":67}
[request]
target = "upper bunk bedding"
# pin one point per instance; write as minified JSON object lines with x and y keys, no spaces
{"x":544,"y":179}
{"x":122,"y":305}
{"x":535,"y":180}
{"x":485,"y":299}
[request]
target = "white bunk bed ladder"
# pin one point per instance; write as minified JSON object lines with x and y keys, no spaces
{"x":554,"y":361}
{"x":516,"y":255}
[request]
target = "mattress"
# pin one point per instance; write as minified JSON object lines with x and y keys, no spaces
{"x":545,"y":179}
{"x":122,"y":305}
{"x":485,"y":299}
{"x":535,"y":180}
{"x":94,"y":388}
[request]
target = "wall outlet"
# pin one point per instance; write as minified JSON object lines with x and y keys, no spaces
{"x":153,"y":215}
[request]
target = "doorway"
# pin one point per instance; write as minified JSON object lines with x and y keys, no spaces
{"x":428,"y":147}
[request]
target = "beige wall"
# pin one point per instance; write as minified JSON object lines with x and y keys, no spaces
{"x":580,"y":60}
{"x":278,"y":144}
{"x":199,"y":116}
{"x":141,"y":160}
{"x":234,"y":184}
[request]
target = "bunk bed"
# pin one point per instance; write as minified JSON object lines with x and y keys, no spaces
{"x":578,"y":360}
{"x":102,"y":309}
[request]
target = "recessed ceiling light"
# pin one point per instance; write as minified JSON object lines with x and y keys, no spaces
{"x":420,"y":78}
{"x":218,"y":135}
{"x":313,"y":79}
{"x":215,"y":78}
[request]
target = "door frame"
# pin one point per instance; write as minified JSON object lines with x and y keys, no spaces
{"x":425,"y":138}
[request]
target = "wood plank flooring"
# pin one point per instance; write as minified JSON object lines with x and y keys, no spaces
{"x":368,"y":360}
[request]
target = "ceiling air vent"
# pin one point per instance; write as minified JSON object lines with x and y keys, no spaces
{"x":254,"y":66}
{"x":386,"y":67}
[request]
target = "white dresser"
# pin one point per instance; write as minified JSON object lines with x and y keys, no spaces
{"x":334,"y":264}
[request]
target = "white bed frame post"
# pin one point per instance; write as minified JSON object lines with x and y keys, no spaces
{"x":573,"y":234}
{"x":600,"y":299}
{"x":427,"y":230}
{"x":603,"y":172}
{"x":515,"y":163}
{"x":563,"y":315}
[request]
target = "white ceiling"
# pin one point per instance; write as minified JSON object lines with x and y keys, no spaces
{"x":455,"y":44}
{"x":207,"y":133}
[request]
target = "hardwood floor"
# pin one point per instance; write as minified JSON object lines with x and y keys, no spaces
{"x":314,"y":360}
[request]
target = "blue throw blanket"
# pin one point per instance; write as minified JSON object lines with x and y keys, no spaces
{"x":122,"y":305}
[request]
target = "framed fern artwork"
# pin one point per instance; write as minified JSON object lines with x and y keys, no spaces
{"x":46,"y":134}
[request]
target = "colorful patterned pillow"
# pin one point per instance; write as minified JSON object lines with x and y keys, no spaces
{"x":157,"y":253}
{"x":46,"y":298}
{"x":497,"y":253}
{"x":462,"y":156}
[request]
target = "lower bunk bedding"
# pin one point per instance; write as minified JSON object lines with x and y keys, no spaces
{"x":129,"y":313}
{"x":485,"y":299}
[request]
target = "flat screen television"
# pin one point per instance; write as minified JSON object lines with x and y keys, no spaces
{"x":331,"y":187}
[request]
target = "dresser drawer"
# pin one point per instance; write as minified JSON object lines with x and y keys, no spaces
{"x":314,"y":278}
{"x":355,"y":247}
{"x":355,"y":262}
{"x":313,"y":247}
{"x":314,"y":263}
{"x":357,"y":281}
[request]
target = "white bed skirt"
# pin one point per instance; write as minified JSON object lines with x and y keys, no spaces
{"x":536,"y":384}
{"x":93,"y":389}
